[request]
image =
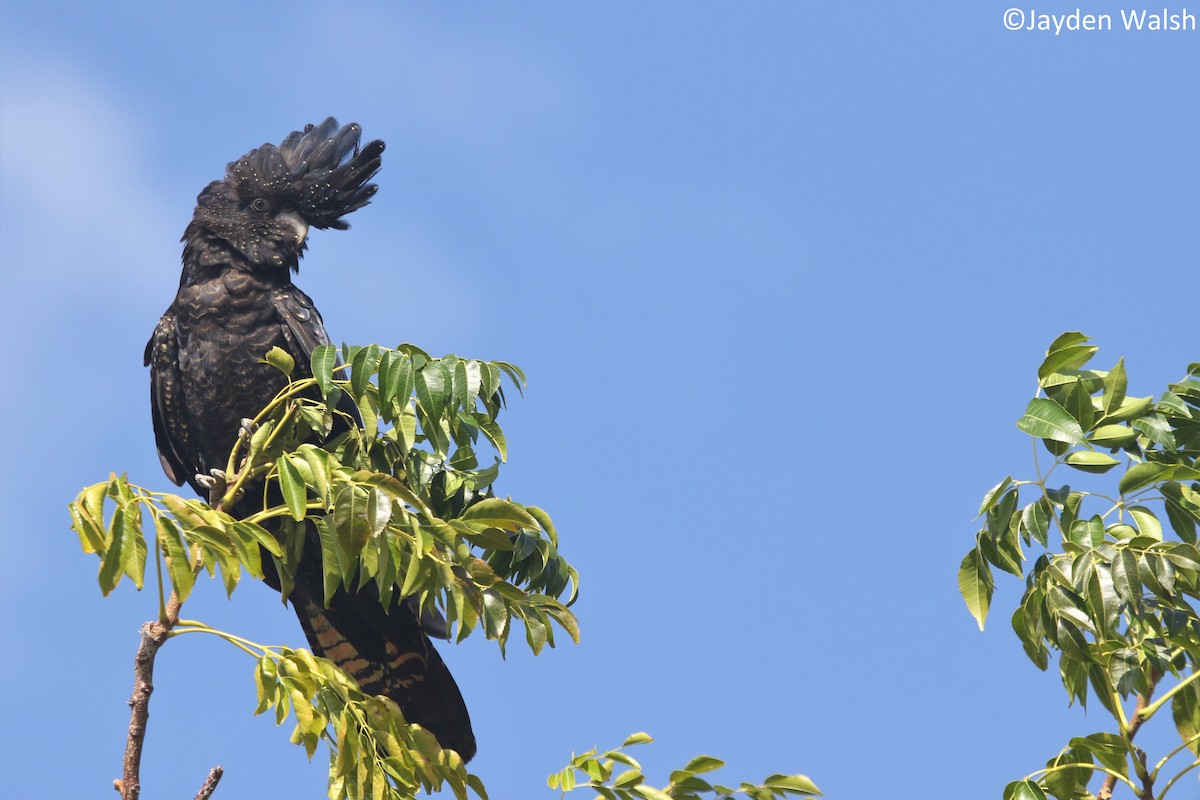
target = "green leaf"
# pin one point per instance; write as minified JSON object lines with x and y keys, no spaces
{"x":1024,"y":790}
{"x":1124,"y":670}
{"x":112,"y":563}
{"x":1091,"y":461}
{"x":701,"y":764}
{"x":1070,"y":508}
{"x":793,"y":784}
{"x":333,"y":561}
{"x":990,"y":499}
{"x":1046,"y":419}
{"x":1068,"y":351}
{"x":324,"y":359}
{"x":394,"y":488}
{"x":1182,"y":555}
{"x":318,"y":462}
{"x":379,"y":510}
{"x":1112,"y":436}
{"x":179,"y":565}
{"x":1069,"y":784}
{"x":1115,"y":383}
{"x":493,"y":433}
{"x":497,"y":513}
{"x":351,"y":521}
{"x":1185,"y":710}
{"x":1180,"y":513}
{"x":999,"y":516}
{"x":291,"y":484}
{"x":1155,"y":428}
{"x":976,"y":585}
{"x":650,"y":793}
{"x":1071,"y":640}
{"x":1147,"y":523}
{"x":640,"y":737}
{"x":1035,"y":519}
{"x":260,"y":535}
{"x":1079,"y":405}
{"x":91,"y":533}
{"x":1125,"y":576}
{"x":535,"y":632}
{"x":1089,"y":532}
{"x":281,"y":360}
{"x":1131,"y":408}
{"x":628,"y":778}
{"x":365,"y":362}
{"x":246,"y":545}
{"x":1140,"y":476}
{"x":1120,"y":532}
{"x":134,"y":550}
{"x":1108,"y":748}
{"x":433,"y":388}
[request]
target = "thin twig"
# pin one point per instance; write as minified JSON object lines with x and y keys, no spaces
{"x":153,"y":636}
{"x":210,"y":783}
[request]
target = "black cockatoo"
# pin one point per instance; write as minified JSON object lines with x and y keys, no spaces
{"x":236,"y":301}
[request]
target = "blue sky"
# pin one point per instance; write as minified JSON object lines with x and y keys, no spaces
{"x":780,"y":274}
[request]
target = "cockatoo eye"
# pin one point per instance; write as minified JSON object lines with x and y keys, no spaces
{"x":259,"y":204}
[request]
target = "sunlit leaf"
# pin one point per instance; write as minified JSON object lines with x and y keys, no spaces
{"x":112,"y":564}
{"x":291,"y":484}
{"x":1155,"y":428}
{"x":1140,"y":476}
{"x":1089,"y":532}
{"x":1147,"y":523}
{"x":1091,"y":461}
{"x":501,"y":514}
{"x":1112,"y":436}
{"x":1066,"y":352}
{"x":281,"y":360}
{"x":179,"y":565}
{"x":1115,"y":383}
{"x":351,"y":520}
{"x":1046,"y":419}
{"x":1078,"y":404}
{"x":993,"y":495}
{"x":1132,"y":407}
{"x":976,"y":585}
{"x":1023,"y":790}
{"x":793,"y":784}
{"x":323,"y":360}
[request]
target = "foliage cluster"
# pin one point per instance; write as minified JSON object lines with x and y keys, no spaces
{"x":597,"y":771}
{"x":1107,"y":585}
{"x":378,"y":452}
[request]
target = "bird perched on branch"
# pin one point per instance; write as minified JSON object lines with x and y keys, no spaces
{"x":236,"y":301}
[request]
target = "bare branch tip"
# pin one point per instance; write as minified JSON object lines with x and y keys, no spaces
{"x":210,"y":783}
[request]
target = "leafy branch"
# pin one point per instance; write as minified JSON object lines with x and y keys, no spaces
{"x":597,"y":771}
{"x":400,"y":501}
{"x":1113,"y":595}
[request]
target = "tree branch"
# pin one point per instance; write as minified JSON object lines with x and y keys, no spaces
{"x":1135,"y":722}
{"x":154,"y":635}
{"x":210,"y":783}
